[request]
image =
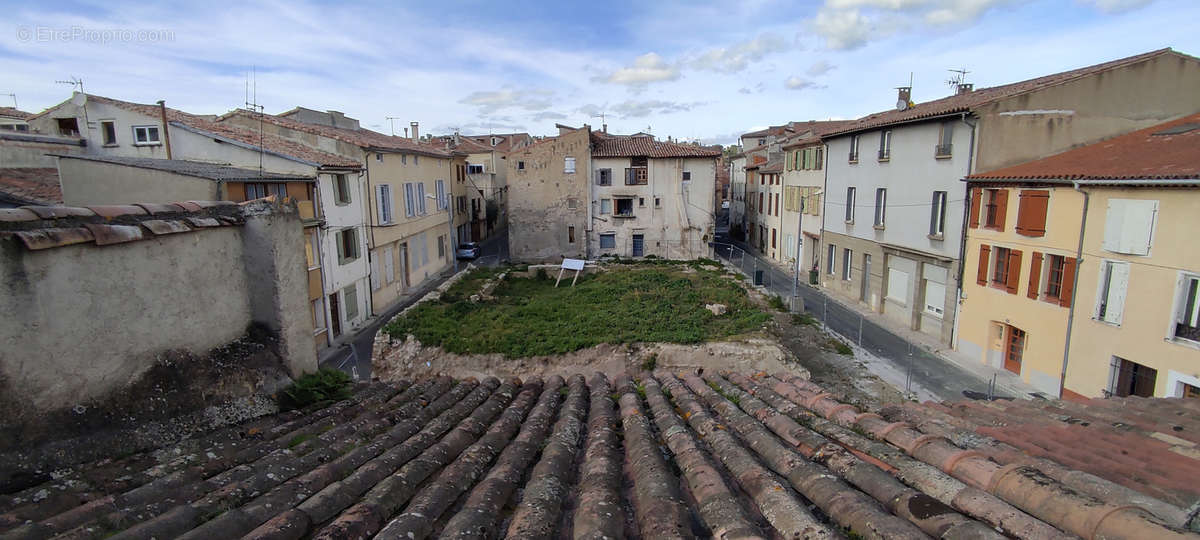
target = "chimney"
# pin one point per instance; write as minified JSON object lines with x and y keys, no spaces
{"x":406,"y":133}
{"x":162,"y":112}
{"x":604,"y":128}
{"x":904,"y":97}
{"x":416,"y":136}
{"x":965,"y":88}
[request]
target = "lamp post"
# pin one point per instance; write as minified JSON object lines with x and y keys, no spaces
{"x":800,"y":247}
{"x":453,"y":234}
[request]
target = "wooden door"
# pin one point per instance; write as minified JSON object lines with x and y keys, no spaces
{"x":1014,"y":347}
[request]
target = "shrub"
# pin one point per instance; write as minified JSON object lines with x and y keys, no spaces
{"x":324,"y":385}
{"x":804,"y":318}
{"x":542,"y":275}
{"x":649,"y":363}
{"x":777,"y":303}
{"x":841,"y":347}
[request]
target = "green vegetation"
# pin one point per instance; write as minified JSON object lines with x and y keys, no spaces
{"x":324,"y":385}
{"x":776,"y":302}
{"x":841,"y":347}
{"x":804,"y":318}
{"x":297,"y":440}
{"x":650,"y":362}
{"x":659,"y":301}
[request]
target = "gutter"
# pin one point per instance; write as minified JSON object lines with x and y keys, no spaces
{"x":1062,"y":379}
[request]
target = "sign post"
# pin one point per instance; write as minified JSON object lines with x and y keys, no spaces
{"x":570,"y":264}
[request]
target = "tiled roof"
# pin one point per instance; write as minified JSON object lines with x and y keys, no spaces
{"x":1167,"y":151}
{"x":664,"y":457}
{"x":466,"y":144}
{"x":363,"y":138}
{"x":31,"y":185}
{"x":772,"y":130}
{"x":15,"y":113}
{"x":211,"y":171}
{"x":623,"y":146}
{"x":813,"y":131}
{"x":969,"y":100}
{"x":47,"y":227}
{"x":506,"y":144}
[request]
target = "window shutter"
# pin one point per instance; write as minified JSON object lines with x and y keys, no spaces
{"x":374,"y":274}
{"x":1113,"y":218}
{"x":1137,"y":226}
{"x":1014,"y":271}
{"x":379,"y":204}
{"x":341,"y":242}
{"x":981,"y":274}
{"x":820,"y":157}
{"x":1117,"y":292}
{"x":1035,"y":274}
{"x":1068,"y":282}
{"x":1031,"y":212}
{"x":933,"y":215}
{"x":976,"y":196}
{"x":1001,"y":208}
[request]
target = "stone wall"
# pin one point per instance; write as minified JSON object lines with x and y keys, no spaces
{"x":545,"y":202}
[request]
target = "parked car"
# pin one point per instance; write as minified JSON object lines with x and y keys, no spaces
{"x":468,"y":250}
{"x":725,"y":205}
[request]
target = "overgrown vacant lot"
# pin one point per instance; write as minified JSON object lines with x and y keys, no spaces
{"x":661,"y":302}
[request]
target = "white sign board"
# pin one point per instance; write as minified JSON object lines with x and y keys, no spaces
{"x":572,"y":264}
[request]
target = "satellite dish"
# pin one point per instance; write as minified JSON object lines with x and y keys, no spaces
{"x":901,"y":104}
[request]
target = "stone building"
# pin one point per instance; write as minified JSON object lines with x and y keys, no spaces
{"x":548,"y":200}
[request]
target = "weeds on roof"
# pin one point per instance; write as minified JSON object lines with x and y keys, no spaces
{"x":298,"y":440}
{"x":324,"y":385}
{"x":650,"y":362}
{"x":659,"y":302}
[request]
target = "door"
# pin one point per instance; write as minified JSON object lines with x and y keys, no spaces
{"x":404,"y":265}
{"x":865,"y":290}
{"x":335,"y":314}
{"x":639,"y":245}
{"x":1014,"y":347}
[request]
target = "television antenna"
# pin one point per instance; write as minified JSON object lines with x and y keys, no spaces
{"x":14,"y":98}
{"x":392,"y":123}
{"x":74,"y":81}
{"x":959,"y":77}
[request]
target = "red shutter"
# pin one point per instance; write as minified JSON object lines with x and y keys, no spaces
{"x":1068,"y":282}
{"x":976,"y":195}
{"x":981,"y":275}
{"x":1031,"y":212}
{"x":1014,"y":271}
{"x":1001,"y":208}
{"x":1035,"y":274}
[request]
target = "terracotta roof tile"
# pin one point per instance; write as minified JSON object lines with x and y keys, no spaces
{"x":15,"y":113}
{"x":363,"y":138}
{"x":968,"y":101}
{"x":31,"y":185}
{"x":623,"y":146}
{"x":1166,"y":151}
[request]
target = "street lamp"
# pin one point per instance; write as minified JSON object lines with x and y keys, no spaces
{"x":800,"y":248}
{"x":449,"y":223}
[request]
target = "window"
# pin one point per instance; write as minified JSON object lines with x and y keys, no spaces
{"x":1056,"y":266}
{"x":880,"y":207}
{"x":410,"y":199}
{"x":762,"y":142}
{"x":605,"y":206}
{"x":404,"y":159}
{"x":789,"y":244}
{"x":145,"y":135}
{"x":68,"y":127}
{"x":1114,"y":281}
{"x":347,"y":242}
{"x":1131,"y":379}
{"x":996,"y":208}
{"x":420,"y":195}
{"x":935,"y":298}
{"x":108,"y":130}
{"x":376,"y":275}
{"x":847,"y":259}
{"x":379,"y":157}
{"x":350,"y":302}
{"x":636,"y":176}
{"x":318,"y":315}
{"x":310,"y":249}
{"x":1000,"y":266}
{"x":389,"y":268}
{"x":1006,"y":270}
{"x":937,"y":214}
{"x":520,"y":165}
{"x":830,"y":260}
{"x":416,"y":160}
{"x":945,"y":138}
{"x":657,"y":202}
{"x":604,"y":177}
{"x":885,"y":145}
{"x":1059,"y":278}
{"x":571,"y":235}
{"x":441,"y":246}
{"x":474,"y":169}
{"x":641,"y":202}
{"x":774,"y":233}
{"x":383,"y":203}
{"x":625,"y":207}
{"x":440,"y":190}
{"x":258,"y":190}
{"x":569,"y":165}
{"x":687,"y":175}
{"x":849,"y":205}
{"x":1031,"y":212}
{"x":854,"y":149}
{"x":608,"y":241}
{"x":1129,"y":226}
{"x":341,"y":190}
{"x":1187,"y":314}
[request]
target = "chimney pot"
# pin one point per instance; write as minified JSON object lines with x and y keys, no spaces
{"x":416,"y":135}
{"x":965,"y":88}
{"x":903,"y":98}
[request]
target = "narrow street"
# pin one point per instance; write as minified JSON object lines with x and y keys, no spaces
{"x":354,"y":355}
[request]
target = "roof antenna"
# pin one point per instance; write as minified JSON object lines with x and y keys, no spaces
{"x":392,"y":123}
{"x":258,"y":109}
{"x":959,"y":77}
{"x":14,"y":98}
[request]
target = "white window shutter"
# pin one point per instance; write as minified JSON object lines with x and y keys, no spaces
{"x":389,"y":268}
{"x":1138,"y":224}
{"x":1113,"y":222}
{"x":1117,"y":288}
{"x":375,"y":274}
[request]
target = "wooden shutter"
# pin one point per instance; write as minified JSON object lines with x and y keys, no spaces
{"x":976,"y":195}
{"x":1031,"y":212}
{"x":981,"y":275}
{"x":1014,"y":271}
{"x":1001,"y":208}
{"x":1035,"y":274}
{"x":1068,"y":282}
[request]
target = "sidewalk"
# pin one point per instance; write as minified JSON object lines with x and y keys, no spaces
{"x":942,"y":371}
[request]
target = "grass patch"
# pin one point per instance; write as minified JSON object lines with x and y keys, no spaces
{"x":804,"y":318}
{"x":657,"y":302}
{"x":841,"y":347}
{"x":776,"y":302}
{"x":324,"y":385}
{"x":298,"y":440}
{"x":650,"y":362}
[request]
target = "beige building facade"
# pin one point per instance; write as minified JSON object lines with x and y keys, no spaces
{"x":548,"y":212}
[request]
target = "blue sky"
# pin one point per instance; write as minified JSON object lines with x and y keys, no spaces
{"x":704,"y":70}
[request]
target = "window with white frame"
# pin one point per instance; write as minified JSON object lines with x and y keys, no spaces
{"x":442,"y":200}
{"x":421,"y":198}
{"x":474,"y":169}
{"x":379,"y":157}
{"x":831,"y":260}
{"x":1187,"y":312}
{"x":341,"y":190}
{"x":1110,"y":298}
{"x":145,"y":135}
{"x":383,"y":203}
{"x":880,"y":207}
{"x":410,"y":200}
{"x":605,"y":206}
{"x":850,"y":204}
{"x":1129,"y":226}
{"x":569,"y":165}
{"x":937,"y":214}
{"x":885,"y":144}
{"x":853,"y":148}
{"x":847,"y":260}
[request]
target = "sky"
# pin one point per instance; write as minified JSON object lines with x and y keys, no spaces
{"x":686,"y":69}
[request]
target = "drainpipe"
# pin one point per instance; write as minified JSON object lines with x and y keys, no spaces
{"x":1062,"y":378}
{"x":962,"y":241}
{"x":162,"y":112}
{"x":365,"y":176}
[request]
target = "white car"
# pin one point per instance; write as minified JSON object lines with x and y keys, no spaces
{"x":725,"y":205}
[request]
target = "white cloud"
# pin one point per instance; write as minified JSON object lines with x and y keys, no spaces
{"x":646,"y":69}
{"x":1116,"y":6}
{"x":739,"y":56}
{"x":638,"y":109}
{"x":849,"y":24}
{"x":548,"y":115}
{"x":797,"y":83}
{"x":744,"y":91}
{"x":843,"y":29}
{"x":819,"y":68}
{"x":492,"y":101}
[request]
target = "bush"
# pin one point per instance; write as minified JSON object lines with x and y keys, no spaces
{"x":650,"y":362}
{"x":841,"y":347}
{"x":777,"y":302}
{"x":324,"y":385}
{"x":804,"y":318}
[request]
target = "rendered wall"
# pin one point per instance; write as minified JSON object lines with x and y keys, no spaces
{"x":541,"y":195}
